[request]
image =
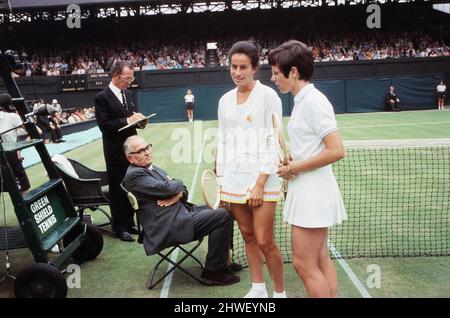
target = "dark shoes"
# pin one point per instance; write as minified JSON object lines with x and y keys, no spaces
{"x":234,"y":267}
{"x":221,"y":277}
{"x":133,"y":230}
{"x":125,"y":236}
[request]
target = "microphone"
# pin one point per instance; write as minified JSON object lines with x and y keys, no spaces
{"x":48,"y":109}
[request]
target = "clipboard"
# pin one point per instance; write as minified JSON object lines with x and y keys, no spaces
{"x":136,"y":122}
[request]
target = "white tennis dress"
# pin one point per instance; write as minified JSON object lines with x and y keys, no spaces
{"x":246,"y":147}
{"x":313,"y":199}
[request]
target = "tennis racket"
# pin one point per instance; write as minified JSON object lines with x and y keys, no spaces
{"x":282,"y":150}
{"x":210,"y":189}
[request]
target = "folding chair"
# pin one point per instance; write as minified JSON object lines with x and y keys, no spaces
{"x":87,"y":188}
{"x":166,"y":253}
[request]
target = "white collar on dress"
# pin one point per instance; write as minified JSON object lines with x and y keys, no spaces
{"x":300,"y":95}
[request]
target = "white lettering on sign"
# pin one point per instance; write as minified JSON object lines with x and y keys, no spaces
{"x":43,"y":214}
{"x":44,"y":226}
{"x":39,"y":204}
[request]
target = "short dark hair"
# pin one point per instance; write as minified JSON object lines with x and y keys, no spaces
{"x":248,"y":48}
{"x":293,"y":53}
{"x":118,"y":67}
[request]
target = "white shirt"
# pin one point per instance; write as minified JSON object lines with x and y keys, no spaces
{"x":189,"y":98}
{"x":441,"y":88}
{"x":311,"y":120}
{"x":313,"y":198}
{"x":246,"y":141}
{"x":8,"y":121}
{"x":117,"y":92}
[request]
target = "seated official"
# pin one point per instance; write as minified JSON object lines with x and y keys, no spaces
{"x":392,"y":101}
{"x":168,"y":219}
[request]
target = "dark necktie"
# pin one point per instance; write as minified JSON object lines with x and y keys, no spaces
{"x":125,"y":104}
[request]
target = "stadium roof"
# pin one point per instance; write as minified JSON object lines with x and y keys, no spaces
{"x":22,"y":4}
{"x":28,"y":10}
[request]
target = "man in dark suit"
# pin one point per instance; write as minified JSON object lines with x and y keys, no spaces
{"x":168,"y":219}
{"x":114,"y":109}
{"x":392,"y":101}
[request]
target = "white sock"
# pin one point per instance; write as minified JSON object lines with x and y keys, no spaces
{"x":258,"y":290}
{"x":279,"y":295}
{"x":259,"y":287}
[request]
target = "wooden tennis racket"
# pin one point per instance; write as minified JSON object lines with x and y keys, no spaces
{"x":281,"y":145}
{"x":210,"y":189}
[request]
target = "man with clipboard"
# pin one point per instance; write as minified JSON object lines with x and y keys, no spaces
{"x":114,"y":110}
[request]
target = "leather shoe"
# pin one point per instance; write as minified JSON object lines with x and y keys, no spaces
{"x":221,"y":277}
{"x":125,"y":236}
{"x":133,"y":230}
{"x":234,"y":267}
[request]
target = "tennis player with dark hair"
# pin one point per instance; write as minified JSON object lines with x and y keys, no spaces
{"x":313,"y":201}
{"x":114,"y":109}
{"x":247,"y":164}
{"x":168,"y":219}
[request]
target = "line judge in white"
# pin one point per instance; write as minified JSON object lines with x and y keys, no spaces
{"x":440,"y":89}
{"x":313,"y":201}
{"x":189,"y":101}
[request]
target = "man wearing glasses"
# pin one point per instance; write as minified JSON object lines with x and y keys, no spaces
{"x":168,"y":219}
{"x":114,"y":109}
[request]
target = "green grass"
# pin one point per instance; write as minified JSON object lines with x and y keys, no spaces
{"x":402,"y":125}
{"x":121,"y":269}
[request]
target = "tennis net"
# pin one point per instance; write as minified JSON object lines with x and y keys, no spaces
{"x":397,"y":197}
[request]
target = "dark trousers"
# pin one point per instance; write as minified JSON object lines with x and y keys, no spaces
{"x":218,"y":225}
{"x":56,"y":134}
{"x":394,"y":106}
{"x":19,"y":172}
{"x":121,"y":210}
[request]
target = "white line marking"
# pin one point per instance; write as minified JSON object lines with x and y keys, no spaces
{"x":389,"y":113}
{"x":395,"y":125}
{"x":168,"y":280}
{"x":359,"y":286}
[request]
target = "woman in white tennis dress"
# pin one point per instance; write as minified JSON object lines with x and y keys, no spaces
{"x":247,"y":164}
{"x":313,"y":201}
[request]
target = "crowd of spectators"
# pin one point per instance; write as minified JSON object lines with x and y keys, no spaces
{"x":177,"y":53}
{"x":49,"y":125}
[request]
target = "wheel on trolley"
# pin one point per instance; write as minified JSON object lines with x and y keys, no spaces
{"x":92,"y":245}
{"x":40,"y":280}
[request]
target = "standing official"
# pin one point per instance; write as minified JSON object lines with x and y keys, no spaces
{"x":115,"y":109}
{"x":12,"y":122}
{"x":189,"y":101}
{"x":440,"y":89}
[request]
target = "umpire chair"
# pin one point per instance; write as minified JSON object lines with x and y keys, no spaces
{"x":87,"y":188}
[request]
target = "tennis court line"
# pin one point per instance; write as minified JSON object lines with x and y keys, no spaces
{"x":395,"y":125}
{"x":389,"y":113}
{"x":168,"y":280}
{"x":355,"y":280}
{"x":285,"y":131}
